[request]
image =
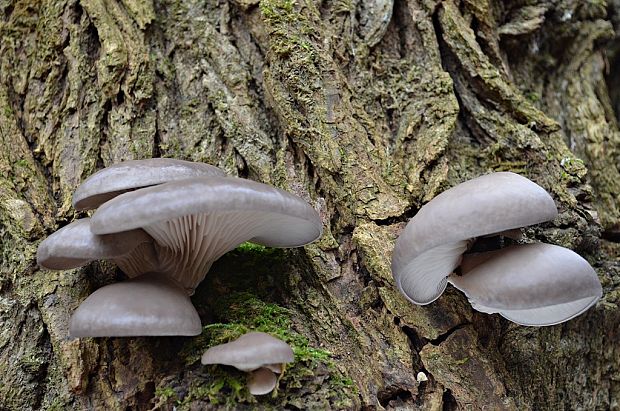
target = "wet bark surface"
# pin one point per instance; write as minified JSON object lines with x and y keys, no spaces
{"x":365,"y":108}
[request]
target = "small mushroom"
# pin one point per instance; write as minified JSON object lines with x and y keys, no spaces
{"x":75,"y":245}
{"x":133,"y":174}
{"x":148,"y":305}
{"x":195,"y":221}
{"x":258,"y":353}
{"x":533,"y":284}
{"x":433,"y":242}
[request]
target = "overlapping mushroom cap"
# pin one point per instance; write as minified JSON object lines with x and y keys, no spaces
{"x":149,"y":305}
{"x":432,"y":243}
{"x":256,"y":352}
{"x":533,"y":284}
{"x":75,"y":245}
{"x":196,"y":220}
{"x":132,"y":174}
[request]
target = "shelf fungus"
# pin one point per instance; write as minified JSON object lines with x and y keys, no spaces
{"x":448,"y":235}
{"x":130,"y":175}
{"x":165,"y":229}
{"x":531,"y":284}
{"x":260,"y":354}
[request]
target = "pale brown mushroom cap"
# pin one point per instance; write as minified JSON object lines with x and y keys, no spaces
{"x":150,"y":305}
{"x":431,"y":245}
{"x":250,"y":352}
{"x":261,"y":381}
{"x":130,"y":175}
{"x":75,"y":245}
{"x":195,"y":221}
{"x":533,"y":284}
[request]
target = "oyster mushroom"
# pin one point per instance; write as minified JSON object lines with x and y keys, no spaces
{"x":75,"y":245}
{"x":433,"y":242}
{"x":258,"y":353}
{"x":148,"y":305}
{"x":133,"y":174}
{"x":195,"y":221}
{"x":532,"y":284}
{"x":188,"y":222}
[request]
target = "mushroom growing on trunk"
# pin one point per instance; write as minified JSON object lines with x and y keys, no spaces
{"x":531,"y":284}
{"x":260,"y":354}
{"x":197,"y":220}
{"x":432,"y":244}
{"x":536,"y":284}
{"x":164,"y":222}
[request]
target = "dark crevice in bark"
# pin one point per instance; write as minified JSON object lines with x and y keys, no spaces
{"x":398,"y":394}
{"x":448,"y":401}
{"x":416,"y":341}
{"x":611,"y":235}
{"x":105,"y":113}
{"x":404,"y":217}
{"x":443,"y":337}
{"x":613,"y":80}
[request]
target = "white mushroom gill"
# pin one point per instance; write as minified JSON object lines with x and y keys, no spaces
{"x":189,"y":245}
{"x":75,"y":245}
{"x":195,"y":221}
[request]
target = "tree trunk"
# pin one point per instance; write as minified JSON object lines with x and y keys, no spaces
{"x":367,"y":109}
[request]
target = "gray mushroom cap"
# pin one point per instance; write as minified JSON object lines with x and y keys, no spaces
{"x":250,"y":352}
{"x":195,"y":221}
{"x":75,"y":245}
{"x":262,"y":381}
{"x":533,"y":284}
{"x":130,"y":175}
{"x":431,"y":245}
{"x":150,"y":305}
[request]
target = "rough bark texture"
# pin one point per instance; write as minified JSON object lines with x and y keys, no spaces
{"x":367,"y":109}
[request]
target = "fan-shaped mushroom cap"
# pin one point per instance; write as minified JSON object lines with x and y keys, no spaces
{"x":533,"y":284}
{"x":145,"y":306}
{"x":195,"y":221}
{"x":432,"y":243}
{"x":75,"y":245}
{"x":250,"y":352}
{"x":262,"y":381}
{"x":130,"y":175}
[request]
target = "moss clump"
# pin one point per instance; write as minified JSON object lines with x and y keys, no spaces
{"x":243,"y":312}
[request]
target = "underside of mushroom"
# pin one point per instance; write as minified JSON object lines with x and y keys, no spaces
{"x":195,"y":221}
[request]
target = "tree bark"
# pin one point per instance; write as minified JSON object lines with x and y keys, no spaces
{"x":367,"y":109}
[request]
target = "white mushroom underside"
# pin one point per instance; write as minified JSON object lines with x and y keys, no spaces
{"x":262,"y":381}
{"x":425,"y":277}
{"x":190,"y":244}
{"x":140,"y":260}
{"x":543,"y":316}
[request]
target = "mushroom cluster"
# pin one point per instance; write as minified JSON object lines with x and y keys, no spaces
{"x":164,"y":222}
{"x":260,"y":354}
{"x":532,"y":284}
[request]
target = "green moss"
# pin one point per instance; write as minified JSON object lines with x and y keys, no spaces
{"x":166,"y":394}
{"x":240,"y":313}
{"x":251,"y":247}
